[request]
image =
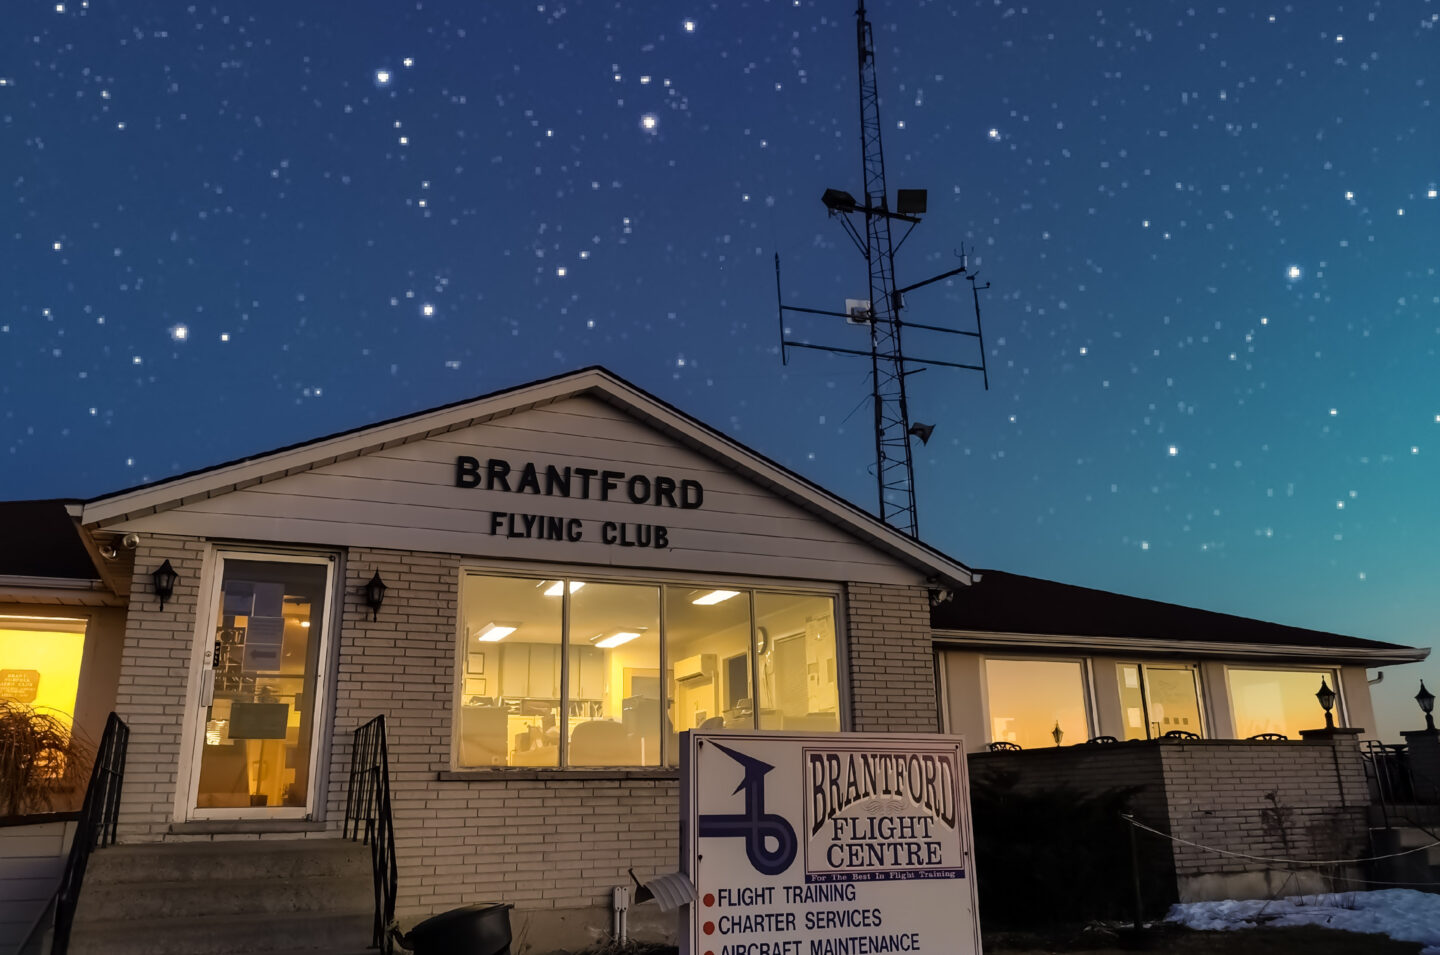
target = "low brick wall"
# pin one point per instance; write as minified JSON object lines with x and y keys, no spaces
{"x":1298,"y":800}
{"x":1301,"y":800}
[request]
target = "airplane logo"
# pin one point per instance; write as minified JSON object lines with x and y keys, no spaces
{"x":754,"y":825}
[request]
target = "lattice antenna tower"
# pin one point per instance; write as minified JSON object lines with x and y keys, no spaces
{"x":889,"y":364}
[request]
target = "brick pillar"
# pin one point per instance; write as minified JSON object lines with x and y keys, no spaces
{"x":892,"y":659}
{"x":1349,"y":766}
{"x":1424,"y":746}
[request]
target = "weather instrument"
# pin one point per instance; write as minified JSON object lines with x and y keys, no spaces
{"x":880,"y":313}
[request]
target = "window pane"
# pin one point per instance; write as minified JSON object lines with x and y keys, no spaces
{"x":510,"y":690}
{"x":795,"y":646}
{"x":1132,"y":702}
{"x":614,"y":707}
{"x":1029,"y":698}
{"x":1174,"y":701}
{"x":40,"y":667}
{"x":707,"y":650}
{"x":1277,"y":701}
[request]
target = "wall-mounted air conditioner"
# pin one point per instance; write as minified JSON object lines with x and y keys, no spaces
{"x":699,"y":667}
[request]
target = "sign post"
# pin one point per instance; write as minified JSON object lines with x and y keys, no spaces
{"x":827,"y":844}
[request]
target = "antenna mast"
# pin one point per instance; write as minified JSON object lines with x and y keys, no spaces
{"x":894,"y":470}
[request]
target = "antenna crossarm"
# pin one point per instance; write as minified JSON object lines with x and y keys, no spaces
{"x":930,"y":281}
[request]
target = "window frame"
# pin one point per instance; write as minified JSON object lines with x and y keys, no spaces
{"x":633,"y":577}
{"x":1202,"y":694}
{"x":1087,"y":687}
{"x":1342,"y":713}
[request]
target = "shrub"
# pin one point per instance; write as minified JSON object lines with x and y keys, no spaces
{"x":1054,"y":856}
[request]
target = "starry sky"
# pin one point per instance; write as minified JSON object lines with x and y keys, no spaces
{"x":1210,"y":233}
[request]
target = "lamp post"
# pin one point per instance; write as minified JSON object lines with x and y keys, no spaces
{"x":1057,"y":734}
{"x":1326,"y":696}
{"x":163,"y":578}
{"x":375,"y":595}
{"x":1426,"y":699}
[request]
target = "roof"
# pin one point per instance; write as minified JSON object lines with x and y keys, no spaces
{"x":39,"y":539}
{"x":595,"y":382}
{"x":1010,"y":609}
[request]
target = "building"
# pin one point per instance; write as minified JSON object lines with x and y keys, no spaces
{"x":540,"y":589}
{"x":1021,"y":658}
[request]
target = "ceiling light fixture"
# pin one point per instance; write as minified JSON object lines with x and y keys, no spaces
{"x":495,"y":632}
{"x":715,"y":597}
{"x":557,"y":588}
{"x":616,"y":639}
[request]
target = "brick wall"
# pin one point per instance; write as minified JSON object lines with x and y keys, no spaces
{"x":154,"y":675}
{"x":541,"y":841}
{"x":1086,"y":769}
{"x":1282,"y":800}
{"x":892,"y":659}
{"x":1214,"y":793}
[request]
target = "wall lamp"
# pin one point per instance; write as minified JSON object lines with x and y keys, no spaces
{"x":375,"y":595}
{"x":1426,"y":699}
{"x":1326,"y":696}
{"x":163,"y":578}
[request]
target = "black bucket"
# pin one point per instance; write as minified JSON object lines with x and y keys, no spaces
{"x":482,"y":929}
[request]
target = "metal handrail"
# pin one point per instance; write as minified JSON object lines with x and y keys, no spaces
{"x":368,"y":819}
{"x":99,"y":817}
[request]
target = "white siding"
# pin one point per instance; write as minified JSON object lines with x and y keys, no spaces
{"x":405,"y":497}
{"x":31,"y":860}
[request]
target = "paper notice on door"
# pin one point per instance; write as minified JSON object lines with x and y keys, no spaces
{"x":264,"y":638}
{"x":259,"y":720}
{"x":269,"y":599}
{"x":239,"y":598}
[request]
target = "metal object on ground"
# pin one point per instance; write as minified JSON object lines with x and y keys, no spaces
{"x":482,"y":929}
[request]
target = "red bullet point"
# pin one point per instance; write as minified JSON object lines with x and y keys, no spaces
{"x":709,"y":898}
{"x":709,"y":928}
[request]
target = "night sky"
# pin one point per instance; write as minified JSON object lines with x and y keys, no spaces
{"x":1211,"y":232}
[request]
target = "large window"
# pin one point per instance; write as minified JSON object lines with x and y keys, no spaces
{"x":40,"y":663}
{"x":1030,"y":700}
{"x":1277,"y":701}
{"x":569,"y":672}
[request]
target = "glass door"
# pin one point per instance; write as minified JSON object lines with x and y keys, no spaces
{"x":1156,"y":700}
{"x":260,"y":687}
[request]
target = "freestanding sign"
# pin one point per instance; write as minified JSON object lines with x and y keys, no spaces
{"x":827,"y":844}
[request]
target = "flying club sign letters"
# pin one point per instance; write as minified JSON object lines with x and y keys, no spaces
{"x":586,"y":484}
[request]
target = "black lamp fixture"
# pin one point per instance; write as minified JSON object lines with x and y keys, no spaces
{"x":375,"y":595}
{"x":1326,"y":696}
{"x":164,"y":577}
{"x":838,"y":200}
{"x":1057,"y":734}
{"x":1426,"y":699}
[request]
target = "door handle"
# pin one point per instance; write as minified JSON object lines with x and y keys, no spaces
{"x":207,"y":686}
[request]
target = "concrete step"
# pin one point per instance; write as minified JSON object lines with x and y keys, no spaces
{"x":272,"y":933}
{"x":289,"y":860}
{"x":118,"y":901}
